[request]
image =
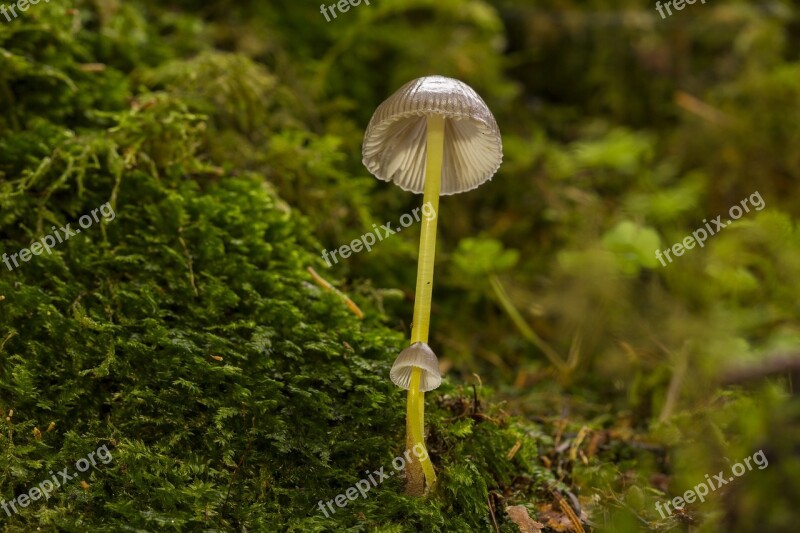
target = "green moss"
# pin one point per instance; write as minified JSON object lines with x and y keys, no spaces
{"x":186,"y":335}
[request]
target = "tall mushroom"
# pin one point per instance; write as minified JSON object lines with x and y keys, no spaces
{"x":434,"y":136}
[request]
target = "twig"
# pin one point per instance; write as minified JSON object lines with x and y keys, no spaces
{"x":675,"y":384}
{"x":491,"y":512}
{"x":513,"y":451}
{"x":319,"y":280}
{"x":701,"y":109}
{"x":576,"y":443}
{"x":567,"y":509}
{"x":189,"y":259}
{"x":575,"y":351}
{"x":92,"y":67}
{"x":8,"y":337}
{"x":784,"y":363}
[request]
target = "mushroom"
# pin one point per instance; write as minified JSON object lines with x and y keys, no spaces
{"x":418,"y":355}
{"x":434,"y":136}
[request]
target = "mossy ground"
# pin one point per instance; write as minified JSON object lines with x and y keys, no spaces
{"x":186,"y":334}
{"x":234,"y":393}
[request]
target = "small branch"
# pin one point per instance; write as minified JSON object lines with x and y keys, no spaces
{"x":322,"y":282}
{"x":567,"y":510}
{"x":675,"y":384}
{"x":189,"y":259}
{"x":703,"y":110}
{"x":491,"y":512}
{"x":8,"y":337}
{"x":772,"y":365}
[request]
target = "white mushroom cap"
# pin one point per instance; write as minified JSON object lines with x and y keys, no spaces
{"x":421,"y":356}
{"x":395,"y":142}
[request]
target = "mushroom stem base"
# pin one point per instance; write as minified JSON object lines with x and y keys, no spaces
{"x":415,"y":416}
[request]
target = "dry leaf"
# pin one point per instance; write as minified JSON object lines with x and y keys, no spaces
{"x":519,"y":515}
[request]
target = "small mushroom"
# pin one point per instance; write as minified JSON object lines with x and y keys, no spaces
{"x":434,"y":136}
{"x":418,"y":355}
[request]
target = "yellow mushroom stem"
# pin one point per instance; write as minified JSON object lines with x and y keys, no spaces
{"x":422,"y":300}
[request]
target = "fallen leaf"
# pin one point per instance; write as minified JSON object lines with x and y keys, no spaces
{"x":519,"y":515}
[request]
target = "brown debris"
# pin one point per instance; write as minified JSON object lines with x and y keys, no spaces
{"x":513,"y":451}
{"x":519,"y":515}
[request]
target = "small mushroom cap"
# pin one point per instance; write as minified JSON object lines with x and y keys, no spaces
{"x":395,"y":143}
{"x":421,"y":356}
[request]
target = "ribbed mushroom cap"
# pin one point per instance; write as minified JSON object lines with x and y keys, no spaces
{"x":395,"y":142}
{"x":421,"y":356}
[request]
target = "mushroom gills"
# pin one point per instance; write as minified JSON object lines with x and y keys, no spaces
{"x":418,"y":355}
